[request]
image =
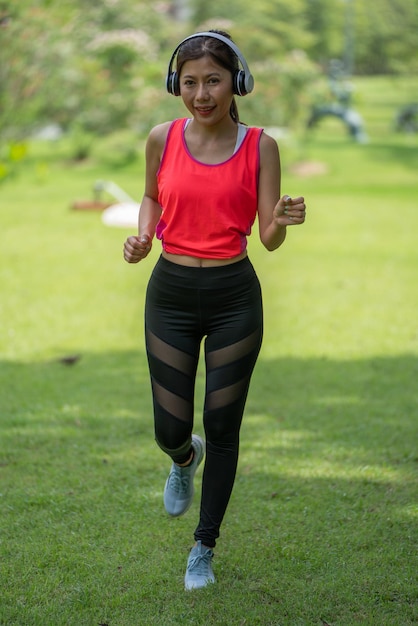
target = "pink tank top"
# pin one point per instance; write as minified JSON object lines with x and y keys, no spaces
{"x":207,"y":210}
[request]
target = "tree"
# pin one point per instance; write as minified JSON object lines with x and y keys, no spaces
{"x":386,"y":36}
{"x":98,"y":65}
{"x":75,"y":64}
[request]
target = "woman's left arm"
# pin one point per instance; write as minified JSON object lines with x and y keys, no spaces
{"x":275,"y":213}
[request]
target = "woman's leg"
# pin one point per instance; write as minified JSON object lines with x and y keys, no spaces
{"x":173,"y":346}
{"x":231,"y":349}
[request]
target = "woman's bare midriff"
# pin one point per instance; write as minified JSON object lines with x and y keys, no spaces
{"x":194,"y":261}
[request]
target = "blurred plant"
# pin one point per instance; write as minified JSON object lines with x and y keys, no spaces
{"x":12,"y":156}
{"x":98,"y":66}
{"x":282,"y":91}
{"x":73,"y":64}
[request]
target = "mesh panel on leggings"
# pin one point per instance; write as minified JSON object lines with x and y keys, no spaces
{"x":172,"y":373}
{"x":228,"y":371}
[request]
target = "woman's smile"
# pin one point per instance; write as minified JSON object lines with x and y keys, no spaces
{"x":204,"y":111}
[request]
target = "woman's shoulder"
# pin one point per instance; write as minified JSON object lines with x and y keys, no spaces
{"x":269,"y":151}
{"x":158,"y":134}
{"x":267,"y":142}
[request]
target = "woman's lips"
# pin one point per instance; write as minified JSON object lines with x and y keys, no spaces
{"x":204,"y":110}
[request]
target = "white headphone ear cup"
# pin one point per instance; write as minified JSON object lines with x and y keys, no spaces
{"x":239,"y":83}
{"x":248,"y":82}
{"x":176,"y":84}
{"x":173,"y":86}
{"x":168,"y":83}
{"x":243,"y":83}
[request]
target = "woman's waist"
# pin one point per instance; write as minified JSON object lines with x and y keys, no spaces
{"x":182,"y":280}
{"x":193,"y":261}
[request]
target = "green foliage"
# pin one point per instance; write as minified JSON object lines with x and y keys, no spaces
{"x":282,"y":91}
{"x":385,"y":36}
{"x":75,"y":63}
{"x":325,"y":20}
{"x":12,"y":155}
{"x":101,"y":66}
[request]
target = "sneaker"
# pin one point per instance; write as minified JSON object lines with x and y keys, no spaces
{"x":179,"y":490}
{"x":199,"y":571}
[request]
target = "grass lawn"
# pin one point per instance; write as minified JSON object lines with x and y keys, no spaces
{"x":322,"y":525}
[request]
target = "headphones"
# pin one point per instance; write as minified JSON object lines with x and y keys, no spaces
{"x":242,"y":80}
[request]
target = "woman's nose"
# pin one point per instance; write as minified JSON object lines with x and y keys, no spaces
{"x":202,"y":91}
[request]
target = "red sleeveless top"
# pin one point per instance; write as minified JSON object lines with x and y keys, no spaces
{"x":207,"y":210}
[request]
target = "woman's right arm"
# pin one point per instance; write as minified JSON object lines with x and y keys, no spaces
{"x":137,"y":247}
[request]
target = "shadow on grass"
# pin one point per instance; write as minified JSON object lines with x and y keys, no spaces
{"x":355,"y":401}
{"x":360,"y":413}
{"x":394,"y":152}
{"x":368,"y":404}
{"x":323,"y":501}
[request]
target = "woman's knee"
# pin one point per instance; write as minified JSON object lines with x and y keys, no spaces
{"x":223,"y":427}
{"x":178,"y":454}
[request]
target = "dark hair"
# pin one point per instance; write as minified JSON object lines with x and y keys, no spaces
{"x":198,"y":47}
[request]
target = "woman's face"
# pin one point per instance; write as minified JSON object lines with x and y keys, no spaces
{"x":206,"y":89}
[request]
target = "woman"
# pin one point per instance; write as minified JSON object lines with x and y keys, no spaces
{"x":207,"y":177}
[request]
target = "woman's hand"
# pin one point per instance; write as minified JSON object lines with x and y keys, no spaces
{"x":290,"y":211}
{"x":136,"y":248}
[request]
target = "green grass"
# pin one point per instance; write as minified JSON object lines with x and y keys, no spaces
{"x":322,"y":524}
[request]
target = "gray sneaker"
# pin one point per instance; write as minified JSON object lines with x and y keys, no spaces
{"x":179,"y":490}
{"x":199,"y":571}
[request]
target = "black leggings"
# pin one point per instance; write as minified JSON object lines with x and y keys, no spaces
{"x":184,"y":305}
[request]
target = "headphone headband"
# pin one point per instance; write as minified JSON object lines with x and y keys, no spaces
{"x":243,"y":79}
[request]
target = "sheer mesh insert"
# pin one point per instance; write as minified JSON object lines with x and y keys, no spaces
{"x":223,"y":356}
{"x":169,"y":355}
{"x":228,"y":373}
{"x":180,"y":404}
{"x":226,"y":396}
{"x":172,"y":403}
{"x":230,"y":362}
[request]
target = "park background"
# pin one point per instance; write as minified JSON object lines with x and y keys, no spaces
{"x":322,"y":525}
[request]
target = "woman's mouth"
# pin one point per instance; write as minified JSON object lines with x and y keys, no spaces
{"x":204,"y":110}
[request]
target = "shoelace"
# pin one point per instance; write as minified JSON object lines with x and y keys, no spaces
{"x":200,"y":564}
{"x":179,"y":481}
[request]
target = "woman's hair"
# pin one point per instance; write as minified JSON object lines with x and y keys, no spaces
{"x":221,"y":53}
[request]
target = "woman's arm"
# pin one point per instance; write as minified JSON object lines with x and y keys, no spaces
{"x":274,"y":212}
{"x":137,"y":247}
